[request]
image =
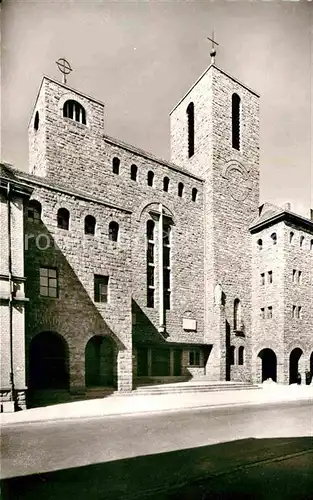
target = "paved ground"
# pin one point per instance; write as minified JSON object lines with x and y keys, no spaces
{"x":133,"y":404}
{"x":191,"y":454}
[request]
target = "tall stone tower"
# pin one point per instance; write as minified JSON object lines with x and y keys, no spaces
{"x":65,"y":133}
{"x":215,"y":134}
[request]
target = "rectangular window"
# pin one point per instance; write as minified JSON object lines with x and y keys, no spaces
{"x":150,"y":297}
{"x":299,"y":277}
{"x":299,"y":312}
{"x":269,"y":312}
{"x":262,"y":313}
{"x":262,"y":279}
{"x":194,"y":358}
{"x":150,"y":275}
{"x":48,"y":282}
{"x":150,"y":253}
{"x":294,"y":275}
{"x":101,"y":288}
{"x":270,"y":276}
{"x":294,"y":311}
{"x":167,"y":300}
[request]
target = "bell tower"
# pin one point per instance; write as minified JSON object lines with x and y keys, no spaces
{"x":215,"y":135}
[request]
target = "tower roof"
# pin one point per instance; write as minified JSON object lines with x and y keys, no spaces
{"x":221,"y":71}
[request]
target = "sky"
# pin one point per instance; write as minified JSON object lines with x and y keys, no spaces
{"x":140,"y":57}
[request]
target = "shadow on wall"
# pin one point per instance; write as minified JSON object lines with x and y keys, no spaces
{"x":279,"y":468}
{"x":71,"y":320}
{"x":144,"y":330}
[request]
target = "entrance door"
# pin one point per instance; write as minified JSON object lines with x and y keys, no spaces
{"x":161,"y":362}
{"x":142,"y":362}
{"x":100,"y":362}
{"x":48,"y":362}
{"x":177,"y":362}
{"x":294,"y":358}
{"x":269,"y":364}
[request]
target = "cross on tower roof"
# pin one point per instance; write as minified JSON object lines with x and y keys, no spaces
{"x":64,"y":66}
{"x":213,"y":51}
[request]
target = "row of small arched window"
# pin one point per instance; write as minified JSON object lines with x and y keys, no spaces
{"x":291,"y":240}
{"x":63,"y":220}
{"x":150,"y":179}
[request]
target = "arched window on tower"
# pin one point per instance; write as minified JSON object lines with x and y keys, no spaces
{"x":113,"y":231}
{"x":63,"y":219}
{"x":274,"y":238}
{"x":90,"y":224}
{"x":194,"y":194}
{"x":166,"y":183}
{"x":116,"y":165}
{"x":191,"y":129}
{"x":241,"y":355}
{"x":36,"y":121}
{"x":150,"y":178}
{"x":133,"y":172}
{"x":75,"y":111}
{"x":237,"y":316}
{"x":236,"y":121}
{"x":180,"y":189}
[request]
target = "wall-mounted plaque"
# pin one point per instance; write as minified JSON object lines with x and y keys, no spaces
{"x":189,"y":324}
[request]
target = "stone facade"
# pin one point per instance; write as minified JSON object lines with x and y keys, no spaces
{"x":279,"y":256}
{"x":204,"y":210}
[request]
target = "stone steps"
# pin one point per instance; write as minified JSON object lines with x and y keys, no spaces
{"x":192,"y":387}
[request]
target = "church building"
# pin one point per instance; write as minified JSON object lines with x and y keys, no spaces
{"x":119,"y":268}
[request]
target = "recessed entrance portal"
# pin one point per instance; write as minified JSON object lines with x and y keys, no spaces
{"x":48,"y":362}
{"x":100,"y":362}
{"x":269,"y":364}
{"x":294,"y":358}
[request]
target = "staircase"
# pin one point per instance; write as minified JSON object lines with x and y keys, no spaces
{"x":192,"y":387}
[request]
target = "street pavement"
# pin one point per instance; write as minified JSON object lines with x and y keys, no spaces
{"x":242,"y":452}
{"x":121,"y":404}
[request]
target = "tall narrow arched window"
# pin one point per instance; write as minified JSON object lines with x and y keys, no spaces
{"x":232,"y":355}
{"x":150,"y":263}
{"x":113,"y":231}
{"x":63,"y":219}
{"x":194,"y":194}
{"x":133,"y":172}
{"x":116,"y":165}
{"x":236,"y":121}
{"x":274,"y":238}
{"x":36,"y":121}
{"x":180,"y":189}
{"x":34,"y":211}
{"x":260,"y":244}
{"x":237,"y":315}
{"x":167,"y":263}
{"x":301,"y":241}
{"x":150,"y":178}
{"x":74,"y":110}
{"x":90,"y":224}
{"x":166,"y":183}
{"x":291,"y":235}
{"x":241,"y":355}
{"x":191,"y":129}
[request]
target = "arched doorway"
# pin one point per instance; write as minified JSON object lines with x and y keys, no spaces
{"x":48,"y":362}
{"x":100,"y":362}
{"x":294,"y":358}
{"x":269,"y":364}
{"x":311,"y":368}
